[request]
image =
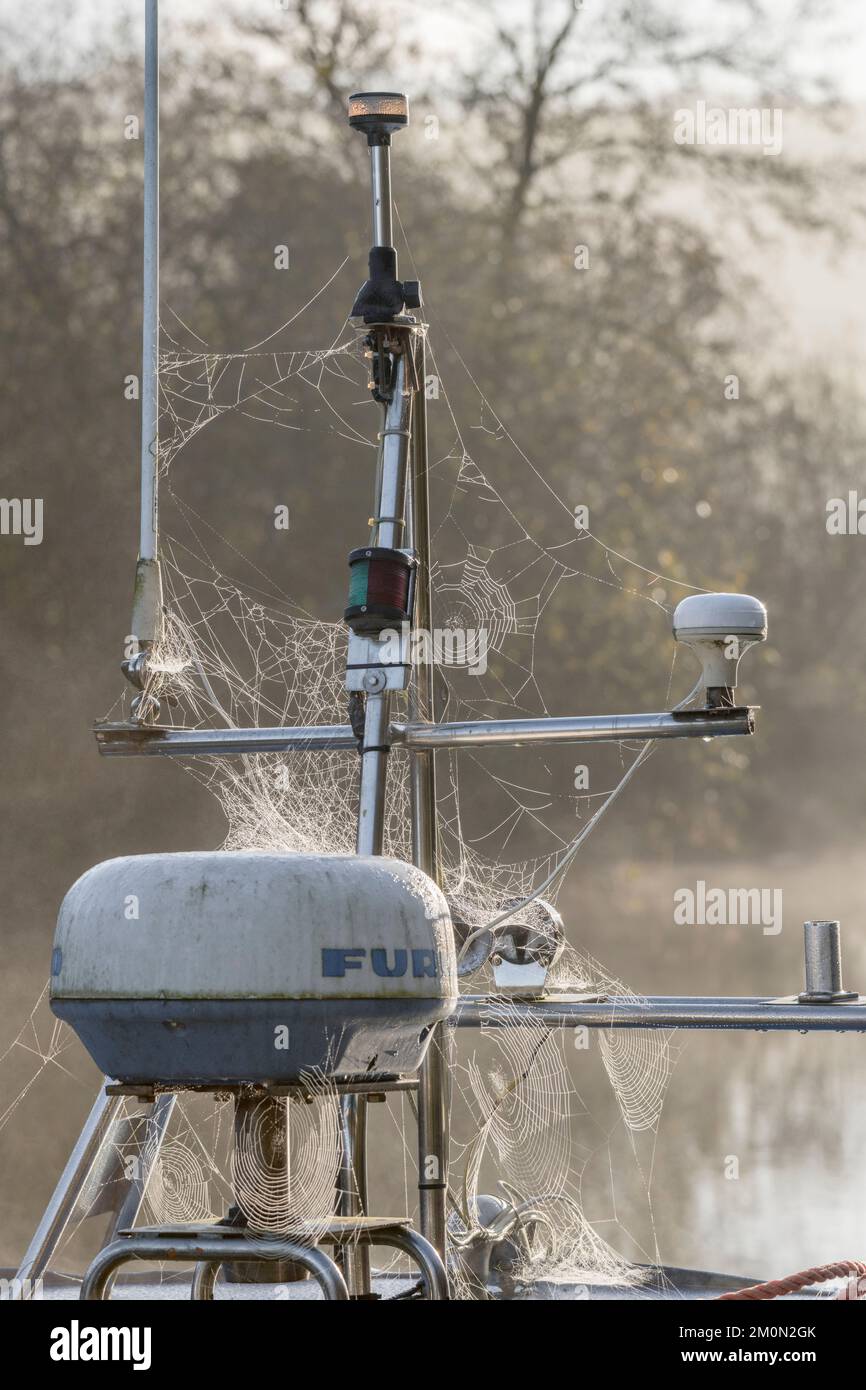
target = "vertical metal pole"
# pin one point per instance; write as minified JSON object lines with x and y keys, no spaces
{"x":390,"y":502}
{"x":390,"y":506}
{"x":391,"y":499}
{"x":150,"y":326}
{"x":434,"y":1132}
{"x":823,"y":942}
{"x":380,"y":170}
{"x":434,"y":1095}
{"x":147,"y":603}
{"x":421,"y":689}
{"x":262,"y":1144}
{"x":374,"y":771}
{"x":354,"y":1260}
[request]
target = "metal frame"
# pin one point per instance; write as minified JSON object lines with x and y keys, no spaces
{"x":785,"y":1014}
{"x":210,"y":1247}
{"x":194,"y":1248}
{"x":417,"y":736}
{"x":403,"y":467}
{"x":355,"y":1238}
{"x":90,"y":1151}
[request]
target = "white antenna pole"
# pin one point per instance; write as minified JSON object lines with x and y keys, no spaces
{"x":147,"y":603}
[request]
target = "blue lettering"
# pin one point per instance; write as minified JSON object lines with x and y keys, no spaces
{"x":379,"y":960}
{"x":335,"y":962}
{"x":424,"y":963}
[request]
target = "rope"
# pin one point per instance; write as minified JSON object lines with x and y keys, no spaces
{"x":777,"y":1288}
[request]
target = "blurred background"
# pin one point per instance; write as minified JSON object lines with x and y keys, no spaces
{"x":672,"y":333}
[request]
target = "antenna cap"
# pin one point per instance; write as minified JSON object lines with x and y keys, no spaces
{"x":708,"y":616}
{"x":720,"y":628}
{"x":378,"y":114}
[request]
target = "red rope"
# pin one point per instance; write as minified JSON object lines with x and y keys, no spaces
{"x":777,"y":1288}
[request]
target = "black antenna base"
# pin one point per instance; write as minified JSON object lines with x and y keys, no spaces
{"x":383,"y":297}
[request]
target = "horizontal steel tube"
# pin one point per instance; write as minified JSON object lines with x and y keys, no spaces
{"x":120,"y":740}
{"x":662,"y":1011}
{"x":581,"y":729}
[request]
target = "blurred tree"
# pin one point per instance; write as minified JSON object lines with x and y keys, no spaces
{"x":613,"y":376}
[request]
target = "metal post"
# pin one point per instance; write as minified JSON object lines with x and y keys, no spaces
{"x":261,"y":1144}
{"x":380,"y":169}
{"x":390,"y":503}
{"x":391,"y":499}
{"x":147,"y":602}
{"x":823,"y":943}
{"x":434,"y":1099}
{"x":150,"y":314}
{"x":354,"y":1260}
{"x":388,"y":531}
{"x":434,"y":1133}
{"x":374,"y":771}
{"x":421,"y":698}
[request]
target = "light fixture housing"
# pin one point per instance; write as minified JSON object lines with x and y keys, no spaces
{"x":378,"y":114}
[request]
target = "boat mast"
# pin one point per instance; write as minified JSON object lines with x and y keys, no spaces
{"x":147,"y":602}
{"x":434,"y":1084}
{"x":396,"y":350}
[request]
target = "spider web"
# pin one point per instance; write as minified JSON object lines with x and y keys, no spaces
{"x":237,"y":651}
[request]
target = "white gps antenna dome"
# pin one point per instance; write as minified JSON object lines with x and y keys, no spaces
{"x":720,"y":628}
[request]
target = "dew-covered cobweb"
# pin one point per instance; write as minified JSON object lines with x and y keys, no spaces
{"x":239,"y":651}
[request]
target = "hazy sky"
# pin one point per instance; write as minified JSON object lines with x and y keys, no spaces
{"x":821,"y":289}
{"x":841,"y":54}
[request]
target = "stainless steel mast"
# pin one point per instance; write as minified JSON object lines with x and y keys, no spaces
{"x":95,"y":1144}
{"x":147,"y":601}
{"x":404,"y":436}
{"x":434,"y":1093}
{"x":380,"y":304}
